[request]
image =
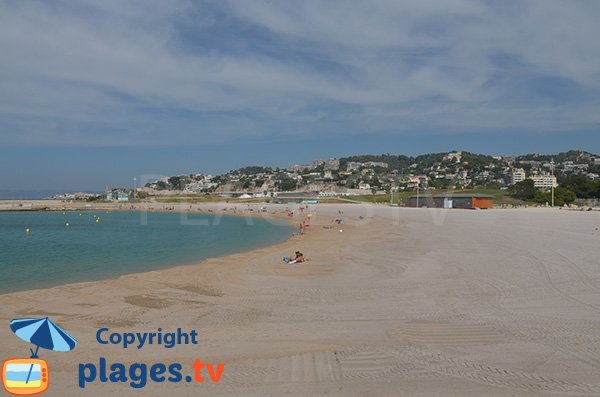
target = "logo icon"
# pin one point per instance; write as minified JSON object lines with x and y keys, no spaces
{"x":23,"y":377}
{"x":28,"y":376}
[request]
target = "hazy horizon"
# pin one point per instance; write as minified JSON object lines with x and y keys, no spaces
{"x":127,"y":180}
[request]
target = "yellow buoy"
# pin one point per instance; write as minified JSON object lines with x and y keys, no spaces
{"x":97,"y":220}
{"x":67,"y":224}
{"x":79,"y":214}
{"x":27,"y":230}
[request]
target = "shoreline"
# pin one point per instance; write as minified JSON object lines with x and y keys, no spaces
{"x":227,"y":209}
{"x":278,"y":216}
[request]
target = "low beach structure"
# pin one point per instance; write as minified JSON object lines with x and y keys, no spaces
{"x":452,"y":200}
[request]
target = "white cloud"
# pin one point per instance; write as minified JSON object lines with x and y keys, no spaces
{"x":105,"y":66}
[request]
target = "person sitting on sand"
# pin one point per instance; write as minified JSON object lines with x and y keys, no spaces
{"x":298,"y":257}
{"x":291,"y":258}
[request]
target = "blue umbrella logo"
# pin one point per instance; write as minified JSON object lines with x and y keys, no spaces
{"x":42,"y":333}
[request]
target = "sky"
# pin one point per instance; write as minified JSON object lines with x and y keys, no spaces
{"x":93,"y":93}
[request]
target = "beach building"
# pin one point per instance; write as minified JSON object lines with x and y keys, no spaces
{"x":452,"y":200}
{"x":297,"y":195}
{"x":333,"y":193}
{"x":309,"y":197}
{"x":119,"y":195}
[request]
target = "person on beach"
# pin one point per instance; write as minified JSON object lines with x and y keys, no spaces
{"x":298,"y":257}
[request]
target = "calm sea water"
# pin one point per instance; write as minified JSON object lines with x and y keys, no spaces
{"x":119,"y":243}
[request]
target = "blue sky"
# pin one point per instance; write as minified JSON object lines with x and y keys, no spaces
{"x":95,"y":92}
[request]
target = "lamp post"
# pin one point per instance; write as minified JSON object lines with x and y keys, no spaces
{"x":418,"y":185}
{"x":552,"y":180}
{"x":134,"y":185}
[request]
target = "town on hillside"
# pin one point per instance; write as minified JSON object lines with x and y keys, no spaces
{"x":574,"y":174}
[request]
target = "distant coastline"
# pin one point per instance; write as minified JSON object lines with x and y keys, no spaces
{"x":30,"y":194}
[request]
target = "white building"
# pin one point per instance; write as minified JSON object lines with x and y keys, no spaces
{"x":199,"y":186}
{"x":376,"y":164}
{"x":353,"y":165}
{"x":454,"y":156}
{"x":544,"y":181}
{"x":517,"y":175}
{"x":333,"y":194}
{"x":119,"y":195}
{"x":332,"y":164}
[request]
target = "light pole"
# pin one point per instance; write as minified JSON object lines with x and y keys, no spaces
{"x":418,"y":185}
{"x":552,"y":180}
{"x":134,"y":185}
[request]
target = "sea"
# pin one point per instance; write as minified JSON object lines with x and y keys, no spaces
{"x":44,"y":249}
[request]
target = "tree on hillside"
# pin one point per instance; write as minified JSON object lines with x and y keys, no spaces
{"x":524,"y":190}
{"x":253,"y":169}
{"x":177,"y":183}
{"x":562,"y":196}
{"x":582,"y":186}
{"x":286,"y":184}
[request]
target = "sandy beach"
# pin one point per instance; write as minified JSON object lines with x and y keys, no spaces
{"x":400,"y":302}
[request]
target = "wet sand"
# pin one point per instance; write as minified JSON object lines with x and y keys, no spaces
{"x":402,"y":302}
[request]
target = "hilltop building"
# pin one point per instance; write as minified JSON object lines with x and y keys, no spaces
{"x":332,"y":164}
{"x":544,"y":181}
{"x":454,"y":156}
{"x":376,"y":164}
{"x":353,"y":165}
{"x":517,"y":175}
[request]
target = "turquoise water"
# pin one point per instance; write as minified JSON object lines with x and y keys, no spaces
{"x":120,"y":243}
